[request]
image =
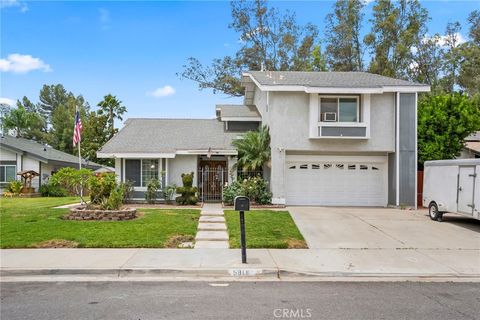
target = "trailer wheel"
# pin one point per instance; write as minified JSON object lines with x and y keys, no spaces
{"x":433,"y":212}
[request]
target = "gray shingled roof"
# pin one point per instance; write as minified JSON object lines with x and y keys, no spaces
{"x":232,"y":110}
{"x":327,"y":79}
{"x":169,"y":135}
{"x":42,"y":152}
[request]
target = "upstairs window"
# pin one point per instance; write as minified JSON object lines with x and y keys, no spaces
{"x":339,"y":109}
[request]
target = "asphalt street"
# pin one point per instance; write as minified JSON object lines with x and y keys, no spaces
{"x":239,"y":300}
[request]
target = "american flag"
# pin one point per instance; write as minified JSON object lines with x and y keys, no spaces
{"x":77,"y":130}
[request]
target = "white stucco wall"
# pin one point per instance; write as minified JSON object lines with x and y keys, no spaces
{"x":7,"y":155}
{"x":287,"y":116}
{"x":182,"y":164}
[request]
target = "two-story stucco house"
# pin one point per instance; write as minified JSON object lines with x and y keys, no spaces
{"x":337,"y":138}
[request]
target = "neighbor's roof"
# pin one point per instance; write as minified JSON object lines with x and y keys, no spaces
{"x":236,"y":111}
{"x":473,"y":146}
{"x":42,"y":152}
{"x":329,"y":80}
{"x":167,"y":136}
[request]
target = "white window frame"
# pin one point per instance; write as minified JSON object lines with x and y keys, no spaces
{"x":140,"y":187}
{"x":357,"y":98}
{"x":5,"y":169}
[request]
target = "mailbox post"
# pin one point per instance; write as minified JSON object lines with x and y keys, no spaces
{"x":242,"y":204}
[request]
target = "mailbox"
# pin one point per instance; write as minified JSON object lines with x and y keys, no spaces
{"x":242,"y":203}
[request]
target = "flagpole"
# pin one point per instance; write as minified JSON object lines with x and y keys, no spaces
{"x":79,"y":161}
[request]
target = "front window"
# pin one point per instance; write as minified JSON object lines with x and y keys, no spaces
{"x":7,"y":173}
{"x":149,"y":170}
{"x":339,"y":109}
{"x":141,"y":171}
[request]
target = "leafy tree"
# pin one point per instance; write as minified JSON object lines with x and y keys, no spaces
{"x":113,"y":109}
{"x":444,"y":121}
{"x":426,"y":62}
{"x":22,"y":121}
{"x":451,"y":57}
{"x":62,"y":124}
{"x":344,"y":47}
{"x":51,"y":97}
{"x":270,"y":41}
{"x":469,"y":73}
{"x":253,"y":149}
{"x":37,"y":129}
{"x":95,"y":134}
{"x":396,"y":28}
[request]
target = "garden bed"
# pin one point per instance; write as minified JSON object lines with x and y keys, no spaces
{"x":257,"y":206}
{"x":101,"y":215}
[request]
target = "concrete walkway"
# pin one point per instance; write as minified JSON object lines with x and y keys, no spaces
{"x":268,"y":264}
{"x":212,"y":230}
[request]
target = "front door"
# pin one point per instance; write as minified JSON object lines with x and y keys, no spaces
{"x":466,"y":181}
{"x":212,"y":176}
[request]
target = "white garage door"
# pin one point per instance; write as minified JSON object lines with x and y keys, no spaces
{"x":336,"y":181}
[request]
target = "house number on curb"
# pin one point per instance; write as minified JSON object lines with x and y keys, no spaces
{"x":244,"y":272}
{"x":242,"y":204}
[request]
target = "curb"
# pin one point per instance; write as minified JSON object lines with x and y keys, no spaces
{"x":230,"y":274}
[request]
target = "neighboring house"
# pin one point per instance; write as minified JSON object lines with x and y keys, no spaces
{"x":18,"y":154}
{"x":337,"y":138}
{"x":472,"y":147}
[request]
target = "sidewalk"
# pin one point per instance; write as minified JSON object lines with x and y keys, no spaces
{"x":266,"y":264}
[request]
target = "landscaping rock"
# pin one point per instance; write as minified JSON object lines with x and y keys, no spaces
{"x":101,"y":215}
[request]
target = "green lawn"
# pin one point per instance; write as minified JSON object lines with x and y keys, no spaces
{"x":27,"y":222}
{"x":265,"y":229}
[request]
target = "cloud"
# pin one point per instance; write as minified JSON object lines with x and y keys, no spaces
{"x":14,"y":3}
{"x":104,"y":18}
{"x":442,"y":40}
{"x":22,"y":63}
{"x":162,"y":92}
{"x":7,"y":101}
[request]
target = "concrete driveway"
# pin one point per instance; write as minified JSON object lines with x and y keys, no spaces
{"x":399,"y":238}
{"x":375,"y":228}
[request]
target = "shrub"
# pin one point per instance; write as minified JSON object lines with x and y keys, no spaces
{"x":167,"y":192}
{"x":51,"y":190}
{"x":72,"y":180}
{"x":152,"y":189}
{"x":255,"y":188}
{"x":101,"y":186}
{"x":188,"y":192}
{"x":114,"y":200}
{"x":15,"y":186}
{"x":127,"y":190}
{"x":231,"y":191}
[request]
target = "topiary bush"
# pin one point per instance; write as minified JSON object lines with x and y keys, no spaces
{"x":188,"y":191}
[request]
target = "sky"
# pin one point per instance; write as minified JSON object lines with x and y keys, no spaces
{"x":134,"y":49}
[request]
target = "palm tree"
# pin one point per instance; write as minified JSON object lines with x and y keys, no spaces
{"x":253,"y":149}
{"x":113,"y":109}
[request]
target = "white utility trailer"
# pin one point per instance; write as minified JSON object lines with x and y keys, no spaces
{"x":452,"y":186}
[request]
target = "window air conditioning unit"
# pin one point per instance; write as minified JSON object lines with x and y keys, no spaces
{"x":330,"y":116}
